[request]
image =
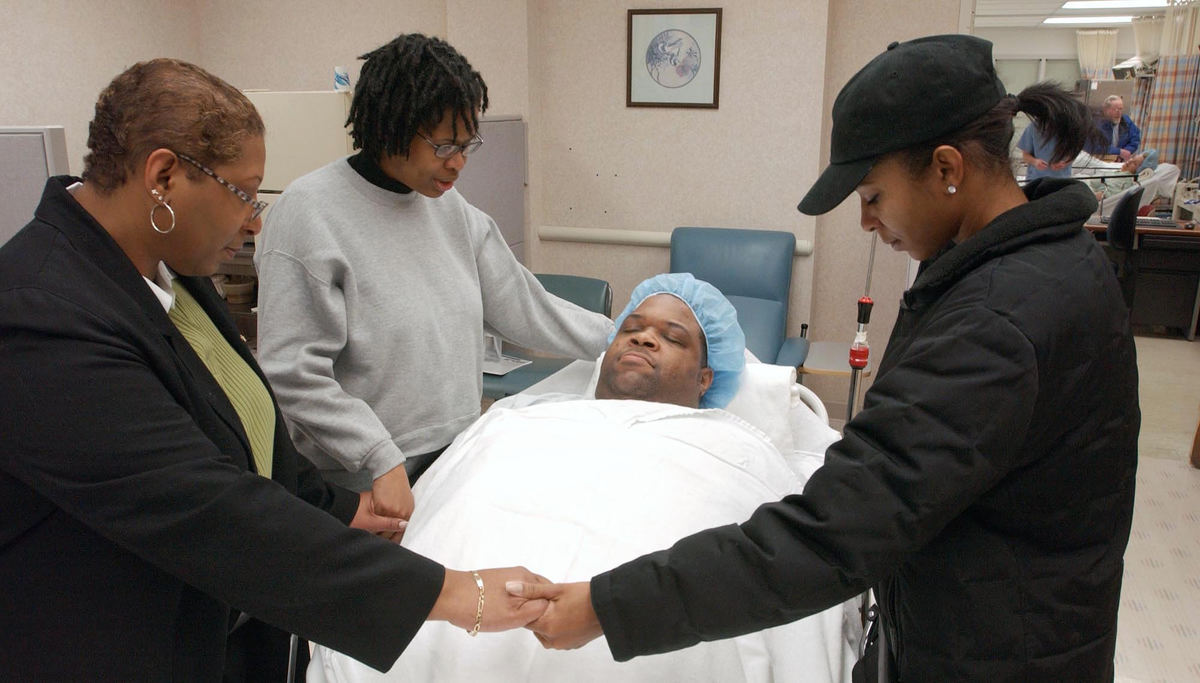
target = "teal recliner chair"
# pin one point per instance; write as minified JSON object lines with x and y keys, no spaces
{"x":753,"y":269}
{"x":586,"y":292}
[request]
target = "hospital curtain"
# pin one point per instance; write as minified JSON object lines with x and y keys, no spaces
{"x":1097,"y":50}
{"x":1171,"y":122}
{"x":1147,"y":33}
{"x":1181,"y":28}
{"x":1147,"y":38}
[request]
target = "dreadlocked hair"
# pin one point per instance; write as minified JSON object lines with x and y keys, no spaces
{"x":986,"y":140}
{"x":408,"y":85}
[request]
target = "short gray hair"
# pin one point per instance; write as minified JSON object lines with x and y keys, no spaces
{"x":1113,"y":98}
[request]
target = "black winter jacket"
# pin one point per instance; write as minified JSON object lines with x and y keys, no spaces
{"x":985,"y":489}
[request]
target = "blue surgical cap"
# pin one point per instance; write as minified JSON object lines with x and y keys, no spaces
{"x":718,"y":321}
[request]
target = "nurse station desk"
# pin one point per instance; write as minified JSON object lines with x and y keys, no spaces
{"x":1167,"y":276}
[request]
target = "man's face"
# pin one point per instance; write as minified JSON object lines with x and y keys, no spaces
{"x":656,"y":356}
{"x":1114,"y":110}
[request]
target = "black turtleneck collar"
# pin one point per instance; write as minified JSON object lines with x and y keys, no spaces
{"x":370,"y":170}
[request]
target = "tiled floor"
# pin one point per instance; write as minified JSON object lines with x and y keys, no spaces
{"x":1158,"y":632}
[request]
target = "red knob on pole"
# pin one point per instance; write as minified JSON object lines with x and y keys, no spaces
{"x":864,"y":310}
{"x":859,"y":353}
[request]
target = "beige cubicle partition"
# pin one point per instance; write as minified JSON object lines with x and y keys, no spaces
{"x":305,"y":131}
{"x":28,"y":156}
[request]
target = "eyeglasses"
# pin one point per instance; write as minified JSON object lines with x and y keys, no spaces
{"x":448,"y":150}
{"x":258,"y":205}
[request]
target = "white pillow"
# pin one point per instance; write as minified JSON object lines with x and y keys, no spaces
{"x":765,"y":399}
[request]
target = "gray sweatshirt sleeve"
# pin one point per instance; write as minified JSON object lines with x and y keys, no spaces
{"x":517,"y":306}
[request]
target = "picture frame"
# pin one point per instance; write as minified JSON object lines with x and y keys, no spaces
{"x":674,"y":58}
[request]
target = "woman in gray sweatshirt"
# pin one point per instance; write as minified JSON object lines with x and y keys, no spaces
{"x":376,"y":279}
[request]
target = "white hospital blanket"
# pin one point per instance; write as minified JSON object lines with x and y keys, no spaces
{"x":572,"y":489}
{"x":1159,"y":182}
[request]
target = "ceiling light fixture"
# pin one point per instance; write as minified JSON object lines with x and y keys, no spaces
{"x":1114,"y":4}
{"x":1088,"y":20}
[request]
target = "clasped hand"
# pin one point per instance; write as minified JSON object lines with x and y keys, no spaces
{"x":386,"y":508}
{"x":367,"y":519}
{"x":458,"y":603}
{"x":568,"y":621}
{"x":559,"y":614}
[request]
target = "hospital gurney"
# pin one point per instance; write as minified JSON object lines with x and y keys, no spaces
{"x":552,"y":485}
{"x":1107,"y":178}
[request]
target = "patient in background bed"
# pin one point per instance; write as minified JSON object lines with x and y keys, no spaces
{"x":568,"y":486}
{"x":1158,"y":179}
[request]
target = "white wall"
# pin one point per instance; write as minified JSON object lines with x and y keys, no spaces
{"x":601,"y":164}
{"x":493,"y":36}
{"x":1051,"y":43}
{"x":294,"y":44}
{"x":59,"y":55}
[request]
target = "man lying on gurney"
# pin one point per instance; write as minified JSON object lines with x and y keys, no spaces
{"x":1143,"y":169}
{"x":568,"y":487}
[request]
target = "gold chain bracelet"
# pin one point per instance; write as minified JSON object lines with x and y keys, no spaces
{"x":479,"y":610}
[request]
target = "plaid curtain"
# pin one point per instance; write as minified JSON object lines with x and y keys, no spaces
{"x":1171,"y":116}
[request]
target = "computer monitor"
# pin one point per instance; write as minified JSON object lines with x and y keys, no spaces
{"x":28,"y":156}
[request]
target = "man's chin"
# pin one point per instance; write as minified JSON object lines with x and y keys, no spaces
{"x":628,"y":385}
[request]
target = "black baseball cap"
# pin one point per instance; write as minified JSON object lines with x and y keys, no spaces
{"x":915,"y":92}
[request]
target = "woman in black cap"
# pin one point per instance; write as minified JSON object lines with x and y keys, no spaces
{"x":985,"y":491}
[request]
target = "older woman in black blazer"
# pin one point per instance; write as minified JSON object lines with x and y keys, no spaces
{"x":150,"y":489}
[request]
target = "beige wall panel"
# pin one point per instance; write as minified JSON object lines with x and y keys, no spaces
{"x":622,"y":266}
{"x":599,"y":164}
{"x":492,"y":35}
{"x":294,"y":44}
{"x":60,"y":55}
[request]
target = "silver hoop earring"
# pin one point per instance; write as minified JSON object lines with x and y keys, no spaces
{"x":161,"y":205}
{"x":951,"y":189}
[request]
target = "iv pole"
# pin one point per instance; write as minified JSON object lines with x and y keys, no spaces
{"x":859,"y":355}
{"x":859,"y":350}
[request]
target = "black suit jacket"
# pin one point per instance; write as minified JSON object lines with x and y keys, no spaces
{"x":133,"y":520}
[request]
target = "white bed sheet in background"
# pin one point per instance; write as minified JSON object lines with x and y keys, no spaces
{"x":573,"y":488}
{"x":1157,"y":182}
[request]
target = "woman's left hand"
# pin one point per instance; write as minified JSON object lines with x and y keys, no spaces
{"x":392,"y":495}
{"x":391,"y":528}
